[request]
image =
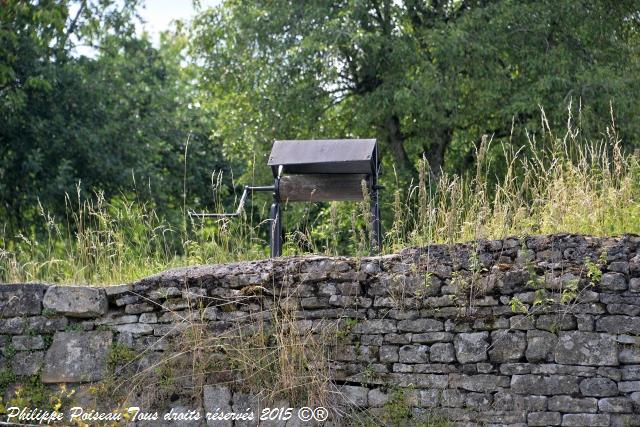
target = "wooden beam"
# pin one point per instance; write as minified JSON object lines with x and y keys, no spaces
{"x":321,"y":187}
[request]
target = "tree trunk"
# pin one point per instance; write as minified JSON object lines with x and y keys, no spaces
{"x":395,"y":139}
{"x":435,"y":150}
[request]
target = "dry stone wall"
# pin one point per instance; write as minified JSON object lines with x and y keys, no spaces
{"x":533,"y":331}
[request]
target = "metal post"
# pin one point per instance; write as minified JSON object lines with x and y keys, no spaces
{"x":276,"y":222}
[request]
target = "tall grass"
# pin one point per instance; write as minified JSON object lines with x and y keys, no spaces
{"x":554,"y":183}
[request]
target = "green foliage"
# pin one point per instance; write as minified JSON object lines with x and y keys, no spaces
{"x":594,"y":272}
{"x":426,"y":79}
{"x":517,"y":306}
{"x":102,"y":157}
{"x":119,"y":355}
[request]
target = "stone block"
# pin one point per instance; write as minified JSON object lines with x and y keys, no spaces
{"x":617,"y":324}
{"x":76,"y":301}
{"x":629,"y":386}
{"x":583,"y":420}
{"x":431,"y":337}
{"x":27,"y":342}
{"x":135,"y":329}
{"x":27,"y":362}
{"x":12,"y":326}
{"x":556,"y":322}
{"x":21,"y":300}
{"x":613,"y":282}
{"x":388,"y":353}
{"x":615,"y":404}
{"x":377,"y":398}
{"x":375,"y":326}
{"x":573,"y":404}
{"x":217,"y":399}
{"x":471,"y":347}
{"x":483,"y":383}
{"x":355,"y":395}
{"x":420,"y":325}
{"x":76,"y":357}
{"x":586,"y":348}
{"x":629,"y":355}
{"x":544,"y":419}
{"x":544,"y":385}
{"x":413,"y":354}
{"x":507,"y":346}
{"x":442,"y":352}
{"x":598,"y":387}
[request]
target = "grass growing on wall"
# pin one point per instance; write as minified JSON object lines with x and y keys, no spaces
{"x":557,"y":183}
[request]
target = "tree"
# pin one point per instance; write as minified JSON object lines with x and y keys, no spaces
{"x":428,"y":78}
{"x":107,"y":122}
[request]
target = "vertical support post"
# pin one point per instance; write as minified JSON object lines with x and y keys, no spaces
{"x":375,"y":218}
{"x":375,"y":203}
{"x":276,"y":222}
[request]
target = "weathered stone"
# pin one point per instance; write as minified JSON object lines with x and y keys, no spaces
{"x":413,"y":354}
{"x":635,"y":398}
{"x":144,"y":307}
{"x":442,"y":352}
{"x":631,"y":372}
{"x":544,"y":385}
{"x":398,"y":338}
{"x":573,"y":404}
{"x":629,"y":386}
{"x":619,"y":266}
{"x":12,"y":326}
{"x":608,"y":372}
{"x":582,"y":420}
{"x":388,"y":353}
{"x":544,"y":419}
{"x":619,"y":325}
{"x":471,"y":347}
{"x":420,"y":325}
{"x":431,"y":337}
{"x":615,"y":404}
{"x":354,"y":395}
{"x":634,"y":285}
{"x":45,"y":325}
{"x":21,"y":299}
{"x":479,"y":383}
{"x":77,"y":357}
{"x":507,"y":346}
{"x":165,"y":292}
{"x":625,"y":420}
{"x":629,"y":355}
{"x":135,"y":329}
{"x":76,"y":301}
{"x":599,"y":387}
{"x":27,"y":362}
{"x":540,"y":345}
{"x":557,"y":369}
{"x":613,"y":282}
{"x":586,"y":322}
{"x":217,"y":399}
{"x":377,"y":398}
{"x":376,"y":326}
{"x":522,"y":322}
{"x":148,"y":318}
{"x":556,"y":322}
{"x":115,"y":291}
{"x":27,"y":342}
{"x":419,"y":380}
{"x":586,"y":348}
{"x":627,"y":309}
